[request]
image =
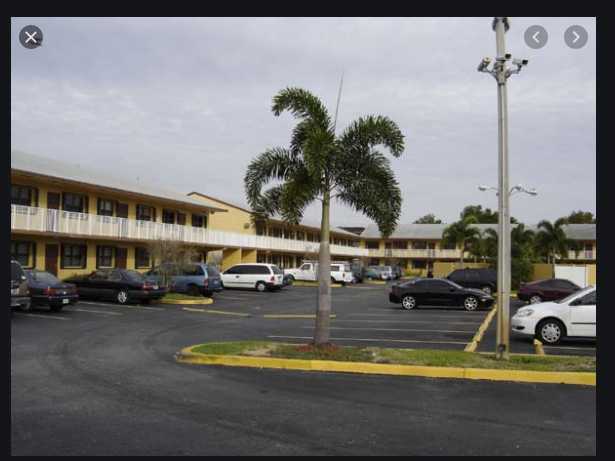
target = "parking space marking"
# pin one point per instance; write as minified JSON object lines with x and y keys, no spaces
{"x":92,"y":311}
{"x":293,"y":316}
{"x":209,"y":311}
{"x":402,"y":321}
{"x":42,"y":316}
{"x":121,"y":306}
{"x":381,"y":340}
{"x":398,"y":329}
{"x":572,"y":348}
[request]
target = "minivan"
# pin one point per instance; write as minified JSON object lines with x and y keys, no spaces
{"x":483,"y":278}
{"x":259,"y":277}
{"x":194,"y":279}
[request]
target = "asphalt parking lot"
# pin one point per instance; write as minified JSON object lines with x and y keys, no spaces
{"x":99,"y":378}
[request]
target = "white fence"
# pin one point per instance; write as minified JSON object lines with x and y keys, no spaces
{"x":45,"y":220}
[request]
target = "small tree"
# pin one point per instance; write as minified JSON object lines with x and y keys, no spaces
{"x":461,"y":234}
{"x":428,"y":219}
{"x":552,"y":241}
{"x":170,"y":255}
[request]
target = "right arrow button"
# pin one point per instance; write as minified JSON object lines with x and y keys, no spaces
{"x":576,"y":37}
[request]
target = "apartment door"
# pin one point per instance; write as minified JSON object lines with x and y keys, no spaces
{"x":122,"y":210}
{"x":51,"y":258}
{"x":53,"y":200}
{"x":120,"y":257}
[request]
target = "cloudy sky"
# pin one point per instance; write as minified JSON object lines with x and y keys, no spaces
{"x":186,"y":103}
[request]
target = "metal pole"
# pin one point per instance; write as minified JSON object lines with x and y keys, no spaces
{"x":503,"y":306}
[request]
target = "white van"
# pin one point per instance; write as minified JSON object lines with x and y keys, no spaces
{"x":253,"y":276}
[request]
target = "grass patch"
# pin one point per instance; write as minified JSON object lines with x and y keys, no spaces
{"x":182,"y":297}
{"x":424,"y":357}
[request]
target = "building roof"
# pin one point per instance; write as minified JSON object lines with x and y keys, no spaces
{"x":435,"y":231}
{"x":45,"y":166}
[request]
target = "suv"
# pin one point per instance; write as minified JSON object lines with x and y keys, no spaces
{"x":254,"y":276}
{"x":483,"y":279}
{"x":20,"y":295}
{"x":194,"y":279}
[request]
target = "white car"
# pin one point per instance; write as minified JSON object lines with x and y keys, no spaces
{"x":254,"y":276}
{"x":549,"y":322}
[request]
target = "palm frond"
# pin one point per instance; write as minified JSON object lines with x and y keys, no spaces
{"x":371,"y":131}
{"x":303,"y":105}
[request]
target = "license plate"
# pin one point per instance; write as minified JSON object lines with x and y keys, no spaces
{"x":65,"y":301}
{"x":14,"y":291}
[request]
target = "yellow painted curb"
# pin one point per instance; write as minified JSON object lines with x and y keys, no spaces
{"x":186,"y":302}
{"x":478,"y":336}
{"x":211,"y":311}
{"x":581,"y":378}
{"x":299,"y":283}
{"x":374,"y":282}
{"x":293,"y":316}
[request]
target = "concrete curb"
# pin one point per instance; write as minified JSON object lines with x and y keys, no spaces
{"x":186,"y":302}
{"x":210,"y":311}
{"x":579,"y":378}
{"x":478,"y":336}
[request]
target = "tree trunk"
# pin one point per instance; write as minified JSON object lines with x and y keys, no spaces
{"x":323,"y":312}
{"x":461,"y":258}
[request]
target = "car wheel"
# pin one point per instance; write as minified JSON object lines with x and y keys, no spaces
{"x":26,"y":307}
{"x":260,"y":286}
{"x":193,"y":290}
{"x":535,"y":299}
{"x":291,"y":278}
{"x":550,"y":331}
{"x":487,"y":289}
{"x":470,"y":303}
{"x":408,"y":302}
{"x":122,"y":297}
{"x":56,"y":307}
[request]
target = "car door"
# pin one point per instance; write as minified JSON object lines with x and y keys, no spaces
{"x":306,"y":272}
{"x":230,"y":277}
{"x":583,"y":316}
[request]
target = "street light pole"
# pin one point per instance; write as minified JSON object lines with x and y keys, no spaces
{"x":501,"y":73}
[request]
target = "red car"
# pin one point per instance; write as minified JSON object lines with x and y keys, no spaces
{"x":546,"y":290}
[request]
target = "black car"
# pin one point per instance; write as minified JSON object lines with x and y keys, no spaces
{"x":20,"y":295}
{"x":119,"y":285}
{"x":47,"y":290}
{"x":437,"y":292}
{"x":484,"y":279}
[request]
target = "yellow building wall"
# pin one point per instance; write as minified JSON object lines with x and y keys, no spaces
{"x":591,"y":274}
{"x":542,"y":271}
{"x":230,"y":257}
{"x":233,"y":220}
{"x":248,"y":256}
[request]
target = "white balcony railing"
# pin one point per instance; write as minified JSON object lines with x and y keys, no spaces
{"x":414,"y":253}
{"x":45,"y":220}
{"x":582,"y":255}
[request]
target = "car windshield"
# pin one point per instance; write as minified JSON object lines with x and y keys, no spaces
{"x":43,"y":277}
{"x":276,"y":270}
{"x":213,"y":271}
{"x":574,"y":295}
{"x":134,"y":276}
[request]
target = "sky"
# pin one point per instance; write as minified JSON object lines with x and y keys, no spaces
{"x":186,"y":103}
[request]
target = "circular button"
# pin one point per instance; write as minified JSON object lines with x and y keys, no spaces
{"x":31,"y":37}
{"x":536,"y":37}
{"x":576,"y":37}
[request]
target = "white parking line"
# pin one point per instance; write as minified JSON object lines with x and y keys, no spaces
{"x":92,"y":311}
{"x":398,"y":329}
{"x":40,"y":316}
{"x":382,"y":340}
{"x":403,"y":321}
{"x":570,"y":347}
{"x":121,"y":306}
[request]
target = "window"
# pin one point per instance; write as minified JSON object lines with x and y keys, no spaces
{"x":233,"y":270}
{"x":192,"y":270}
{"x":21,"y":195}
{"x":589,"y":299}
{"x":168,"y":216}
{"x":199,"y":220}
{"x":300,"y":235}
{"x":74,"y":202}
{"x":142,"y":257}
{"x":73,"y":256}
{"x":260,"y":229}
{"x":105,"y":207}
{"x":372,"y":245}
{"x":104,"y":256}
{"x":146,"y":213}
{"x":400,"y":245}
{"x":419,"y":245}
{"x":20,"y":252}
{"x":448,"y":246}
{"x":181,"y":218}
{"x":419,"y":264}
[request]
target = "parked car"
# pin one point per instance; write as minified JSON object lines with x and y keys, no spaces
{"x":358,"y":272}
{"x":550,"y":322}
{"x":194,"y":279}
{"x":308,"y":271}
{"x":485,"y":279}
{"x":437,"y":292}
{"x":47,"y":290}
{"x":258,"y":276}
{"x":120,"y":285}
{"x":546,"y":290}
{"x":20,"y":295}
{"x":397,"y":272}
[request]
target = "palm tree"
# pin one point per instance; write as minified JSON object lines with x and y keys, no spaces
{"x":461,"y":234}
{"x":553,"y":240}
{"x":318,"y":165}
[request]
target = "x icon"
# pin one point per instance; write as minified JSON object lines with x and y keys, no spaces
{"x":31,"y":36}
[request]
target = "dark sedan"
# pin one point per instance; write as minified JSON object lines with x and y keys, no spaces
{"x":546,"y":290}
{"x":437,"y":292}
{"x":47,"y":290}
{"x":120,"y":285}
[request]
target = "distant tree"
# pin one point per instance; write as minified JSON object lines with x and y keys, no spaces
{"x":170,"y":255}
{"x":483,"y":216}
{"x":428,"y":219}
{"x":551,"y":240}
{"x":581,"y":217}
{"x":461,"y":234}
